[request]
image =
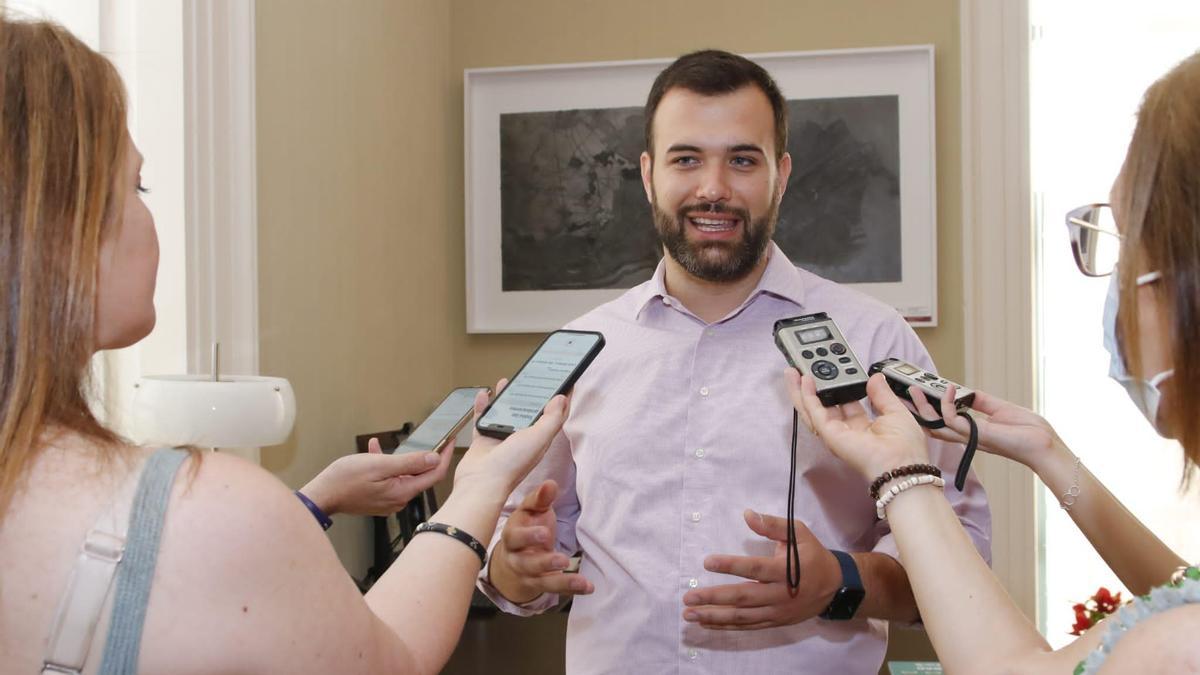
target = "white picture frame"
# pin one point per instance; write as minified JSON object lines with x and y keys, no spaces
{"x":905,"y":74}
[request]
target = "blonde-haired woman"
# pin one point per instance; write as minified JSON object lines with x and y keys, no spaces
{"x":1152,"y":330}
{"x":215,"y":565}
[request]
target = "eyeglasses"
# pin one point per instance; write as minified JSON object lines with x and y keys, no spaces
{"x":1095,"y":240}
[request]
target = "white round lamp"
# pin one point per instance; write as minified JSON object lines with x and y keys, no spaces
{"x":234,"y":411}
{"x":213,"y":411}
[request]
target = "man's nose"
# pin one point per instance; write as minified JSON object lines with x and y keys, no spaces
{"x":714,"y":186}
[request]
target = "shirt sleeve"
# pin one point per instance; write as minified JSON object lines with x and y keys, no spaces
{"x":971,"y":504}
{"x":557,"y":465}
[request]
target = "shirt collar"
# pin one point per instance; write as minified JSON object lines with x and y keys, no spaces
{"x":781,"y":278}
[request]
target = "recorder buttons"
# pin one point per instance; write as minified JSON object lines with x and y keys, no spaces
{"x":824,"y":370}
{"x":838,"y":348}
{"x":845,"y":359}
{"x":852,"y":371}
{"x":806,"y":354}
{"x":821,"y":351}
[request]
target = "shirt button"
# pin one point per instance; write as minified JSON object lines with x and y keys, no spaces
{"x":667,"y":302}
{"x":695,"y":516}
{"x":704,"y":391}
{"x":693,"y":582}
{"x":700,"y":453}
{"x":693,"y":654}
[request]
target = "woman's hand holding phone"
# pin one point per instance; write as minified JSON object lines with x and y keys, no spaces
{"x":502,"y":464}
{"x":376,"y":484}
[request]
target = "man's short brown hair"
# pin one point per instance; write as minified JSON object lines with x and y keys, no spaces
{"x":712,"y":72}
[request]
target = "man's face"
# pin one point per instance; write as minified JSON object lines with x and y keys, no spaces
{"x":713,"y":182}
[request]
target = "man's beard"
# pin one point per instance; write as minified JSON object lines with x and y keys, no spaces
{"x":716,"y":261}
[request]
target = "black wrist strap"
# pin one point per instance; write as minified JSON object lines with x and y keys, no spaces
{"x":793,"y":550}
{"x":964,"y":464}
{"x":451,"y":531}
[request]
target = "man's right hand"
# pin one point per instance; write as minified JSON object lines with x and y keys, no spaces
{"x":525,"y":564}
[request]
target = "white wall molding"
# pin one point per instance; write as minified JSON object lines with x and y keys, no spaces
{"x":998,"y":259}
{"x":221,"y":176}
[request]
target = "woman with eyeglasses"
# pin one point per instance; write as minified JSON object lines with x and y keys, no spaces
{"x":1152,"y":331}
{"x":116,"y":558}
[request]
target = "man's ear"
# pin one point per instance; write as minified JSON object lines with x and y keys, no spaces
{"x":784,"y":172}
{"x":647,"y":164}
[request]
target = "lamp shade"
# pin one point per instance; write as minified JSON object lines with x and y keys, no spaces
{"x":236,"y":411}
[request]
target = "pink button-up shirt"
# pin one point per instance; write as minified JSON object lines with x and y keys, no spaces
{"x":675,"y":429}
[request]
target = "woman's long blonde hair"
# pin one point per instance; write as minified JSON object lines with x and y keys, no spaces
{"x":62,"y":146}
{"x":1160,"y":201}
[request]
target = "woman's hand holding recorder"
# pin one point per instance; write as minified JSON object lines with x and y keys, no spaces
{"x":872,"y":446}
{"x":1005,"y":429}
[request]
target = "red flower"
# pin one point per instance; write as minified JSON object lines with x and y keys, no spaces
{"x":1097,"y":607}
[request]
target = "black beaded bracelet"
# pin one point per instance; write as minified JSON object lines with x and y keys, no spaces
{"x":451,"y":531}
{"x":906,"y":470}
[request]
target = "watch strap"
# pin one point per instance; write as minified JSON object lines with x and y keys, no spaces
{"x":847,"y":598}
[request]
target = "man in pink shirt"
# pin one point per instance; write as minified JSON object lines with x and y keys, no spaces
{"x":680,"y":432}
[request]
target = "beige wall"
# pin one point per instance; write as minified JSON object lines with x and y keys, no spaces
{"x":357,"y":256}
{"x":488,"y":33}
{"x":360,"y":184}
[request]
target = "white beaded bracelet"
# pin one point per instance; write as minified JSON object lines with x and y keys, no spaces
{"x":888,"y":495}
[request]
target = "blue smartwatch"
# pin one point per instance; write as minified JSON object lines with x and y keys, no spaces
{"x":847,"y":598}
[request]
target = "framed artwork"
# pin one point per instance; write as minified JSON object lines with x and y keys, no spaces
{"x":558,"y":223}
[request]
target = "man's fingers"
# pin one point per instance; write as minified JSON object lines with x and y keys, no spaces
{"x":736,"y":595}
{"x":534,"y":563}
{"x":775,"y":527}
{"x":758,"y":568}
{"x":520,"y":538}
{"x":732,"y":617}
{"x":373,"y":447}
{"x":562,"y":584}
{"x":541,"y":499}
{"x":749,"y":627}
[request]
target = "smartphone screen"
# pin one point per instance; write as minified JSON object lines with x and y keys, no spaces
{"x":551,"y":370}
{"x":445,"y":420}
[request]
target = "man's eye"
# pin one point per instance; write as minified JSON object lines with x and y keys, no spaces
{"x":744,"y":161}
{"x":685,"y":161}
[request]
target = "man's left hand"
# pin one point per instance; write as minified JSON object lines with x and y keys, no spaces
{"x":766,"y":600}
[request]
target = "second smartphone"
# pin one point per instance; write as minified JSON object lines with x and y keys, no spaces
{"x":446,"y":420}
{"x":552,"y":370}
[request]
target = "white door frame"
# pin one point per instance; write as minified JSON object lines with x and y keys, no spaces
{"x":222,"y":179}
{"x":998,"y":262}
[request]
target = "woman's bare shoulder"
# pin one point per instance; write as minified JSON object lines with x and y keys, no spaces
{"x":241,"y":556}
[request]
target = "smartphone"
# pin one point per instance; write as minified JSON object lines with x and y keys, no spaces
{"x":446,"y":420}
{"x":552,"y":370}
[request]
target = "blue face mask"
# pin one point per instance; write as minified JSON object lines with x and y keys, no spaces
{"x":1145,"y":393}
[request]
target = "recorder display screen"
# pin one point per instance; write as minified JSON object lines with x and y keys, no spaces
{"x":905,"y":369}
{"x":811,"y":335}
{"x":523,"y":399}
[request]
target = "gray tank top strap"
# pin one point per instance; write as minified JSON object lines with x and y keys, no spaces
{"x":136,"y":571}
